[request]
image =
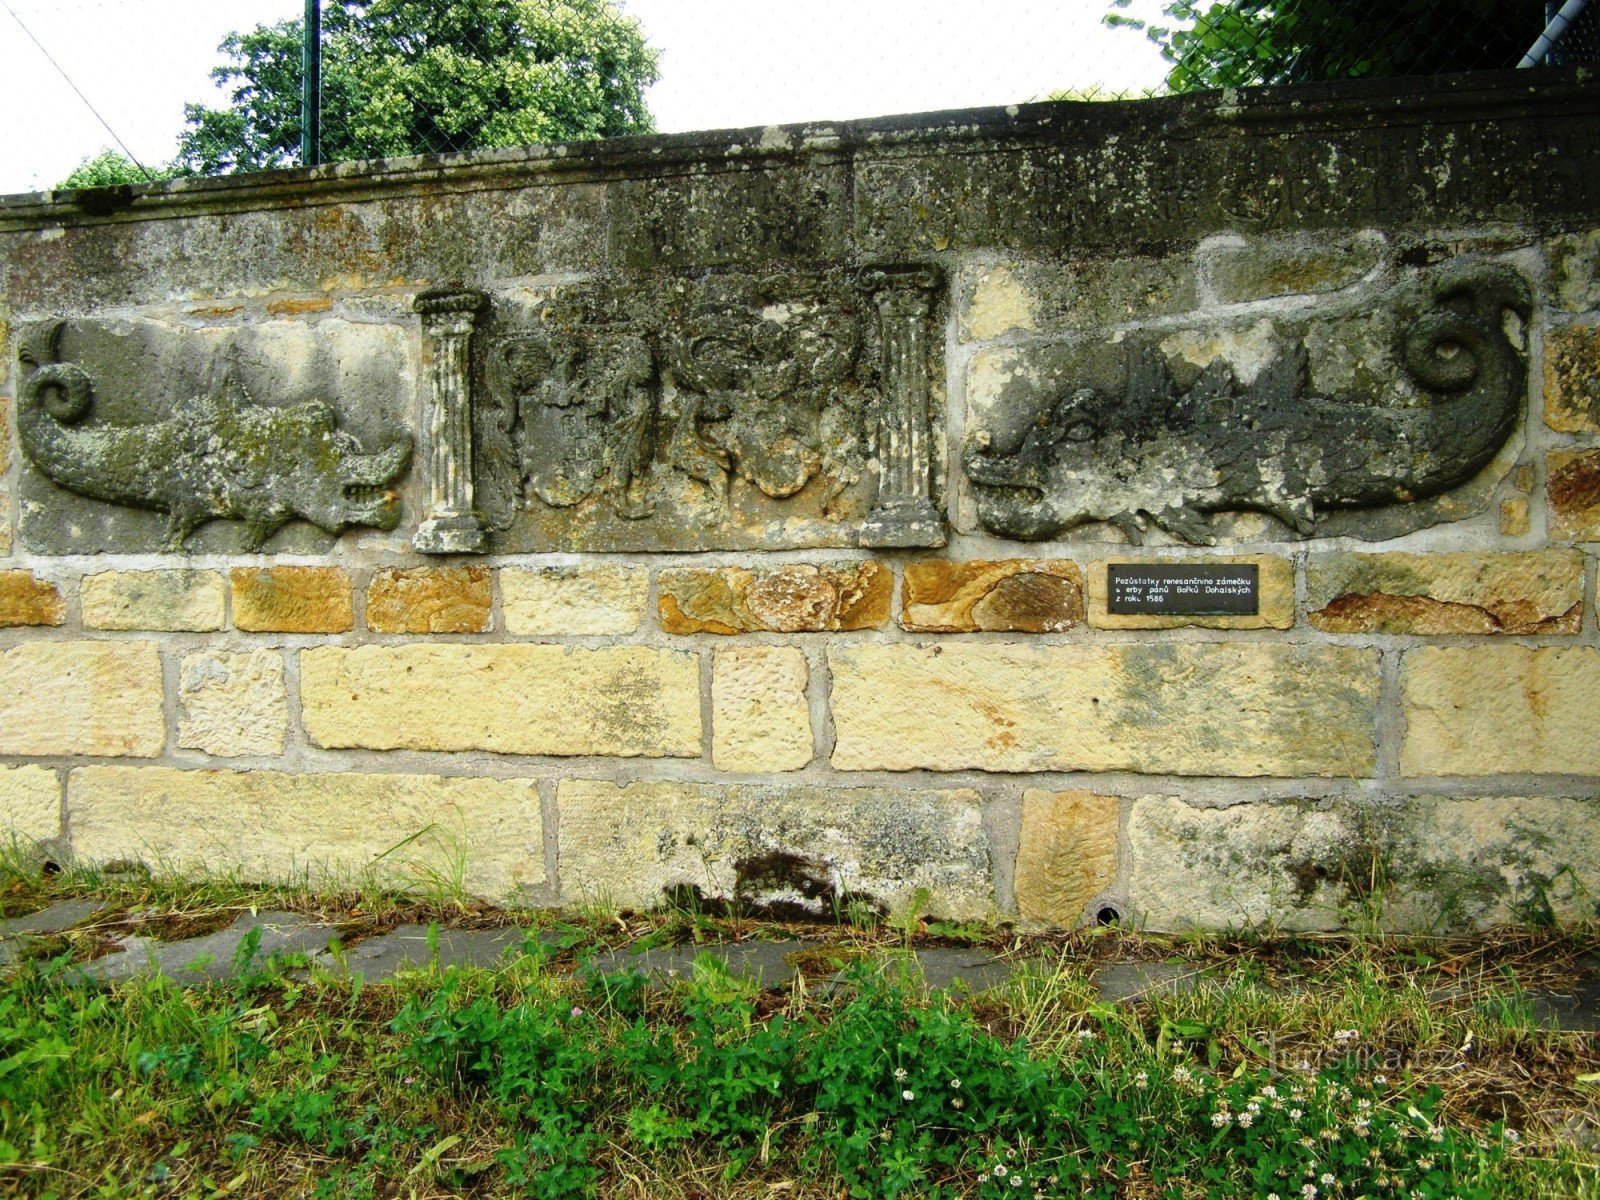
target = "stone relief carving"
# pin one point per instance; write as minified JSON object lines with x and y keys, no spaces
{"x":453,"y":524}
{"x":1151,"y":452}
{"x":217,"y":455}
{"x":709,"y":412}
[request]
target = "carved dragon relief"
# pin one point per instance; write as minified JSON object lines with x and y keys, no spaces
{"x":1153,"y":454}
{"x":655,"y":412}
{"x":215,"y":456}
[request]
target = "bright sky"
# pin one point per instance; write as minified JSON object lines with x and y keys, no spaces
{"x":724,"y":63}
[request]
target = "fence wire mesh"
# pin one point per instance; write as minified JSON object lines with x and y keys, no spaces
{"x":402,"y":77}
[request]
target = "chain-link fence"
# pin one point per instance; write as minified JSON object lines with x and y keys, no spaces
{"x":1245,"y":43}
{"x":401,"y":77}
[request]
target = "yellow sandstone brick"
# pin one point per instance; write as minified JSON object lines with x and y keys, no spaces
{"x":429,"y":600}
{"x":292,"y":600}
{"x":485,"y":835}
{"x":160,"y":601}
{"x":97,"y":698}
{"x":512,"y":699}
{"x":760,"y":720}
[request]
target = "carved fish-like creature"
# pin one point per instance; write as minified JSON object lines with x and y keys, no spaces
{"x":1153,"y":455}
{"x":218,"y":456}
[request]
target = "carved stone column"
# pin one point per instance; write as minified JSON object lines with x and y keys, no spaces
{"x":453,"y":525}
{"x":905,"y":514}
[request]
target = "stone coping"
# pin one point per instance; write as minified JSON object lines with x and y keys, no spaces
{"x":1567,"y":94}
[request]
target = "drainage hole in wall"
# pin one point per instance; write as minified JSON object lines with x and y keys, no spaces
{"x":1107,"y":915}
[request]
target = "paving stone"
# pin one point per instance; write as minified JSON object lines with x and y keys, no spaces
{"x":63,"y":914}
{"x":407,"y":948}
{"x":976,"y":970}
{"x":211,"y":957}
{"x":1128,"y":983}
{"x":766,"y":963}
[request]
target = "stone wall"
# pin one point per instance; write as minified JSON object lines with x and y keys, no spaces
{"x":732,"y":513}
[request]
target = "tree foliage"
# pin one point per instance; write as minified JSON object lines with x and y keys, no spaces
{"x":111,"y":167}
{"x":1237,"y":43}
{"x":427,"y":76}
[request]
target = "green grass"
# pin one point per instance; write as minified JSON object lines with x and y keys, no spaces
{"x":1358,"y":1066}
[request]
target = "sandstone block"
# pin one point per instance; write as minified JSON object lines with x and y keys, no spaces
{"x":1274,"y":580}
{"x":1296,"y":865}
{"x":803,"y":849}
{"x":511,"y":699}
{"x":1067,"y":855}
{"x":799,"y":598}
{"x":231,"y":704}
{"x":96,"y":698}
{"x":760,"y":720}
{"x":292,"y":600}
{"x":1515,"y":517}
{"x":1040,"y":297}
{"x":1572,"y":486}
{"x":1425,"y":865}
{"x":1572,"y":379}
{"x":1236,"y":270}
{"x":574,"y":600}
{"x":26,"y":599}
{"x":1485,"y":861}
{"x":1540,"y":592}
{"x":1013,"y":596}
{"x":429,"y":600}
{"x":1575,"y":270}
{"x":1189,"y":709}
{"x":483,"y":835}
{"x":1490,"y":710}
{"x":161,"y":601}
{"x":30,"y":805}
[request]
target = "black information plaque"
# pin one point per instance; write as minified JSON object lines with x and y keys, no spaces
{"x":1180,"y":590}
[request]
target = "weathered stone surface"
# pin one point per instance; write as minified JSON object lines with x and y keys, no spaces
{"x":815,"y":850}
{"x":25,"y":599}
{"x":778,"y":409}
{"x":800,"y":598}
{"x":1516,"y":518}
{"x":417,"y":948}
{"x":30,"y":804}
{"x":5,"y":483}
{"x":1011,"y":596}
{"x":142,"y":414}
{"x":1067,"y":854}
{"x":1190,"y":709}
{"x":748,"y":214}
{"x":1572,"y":378}
{"x":232,"y":704}
{"x":161,"y":601}
{"x":1538,"y":592}
{"x":100,"y":698}
{"x":1235,"y":270}
{"x":1572,"y":487}
{"x":1486,"y":861}
{"x":484,"y":835}
{"x":512,"y":699}
{"x":1428,"y":864}
{"x":1176,"y":429}
{"x":1575,"y":268}
{"x":759,"y":717}
{"x":292,"y":600}
{"x":1274,"y":579}
{"x":429,"y":600}
{"x":215,"y":955}
{"x":1490,"y":710}
{"x":1042,"y":297}
{"x":1294,"y":865}
{"x":598,"y":600}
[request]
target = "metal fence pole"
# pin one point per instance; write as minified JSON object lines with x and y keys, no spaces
{"x":311,"y":87}
{"x":1570,"y":12}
